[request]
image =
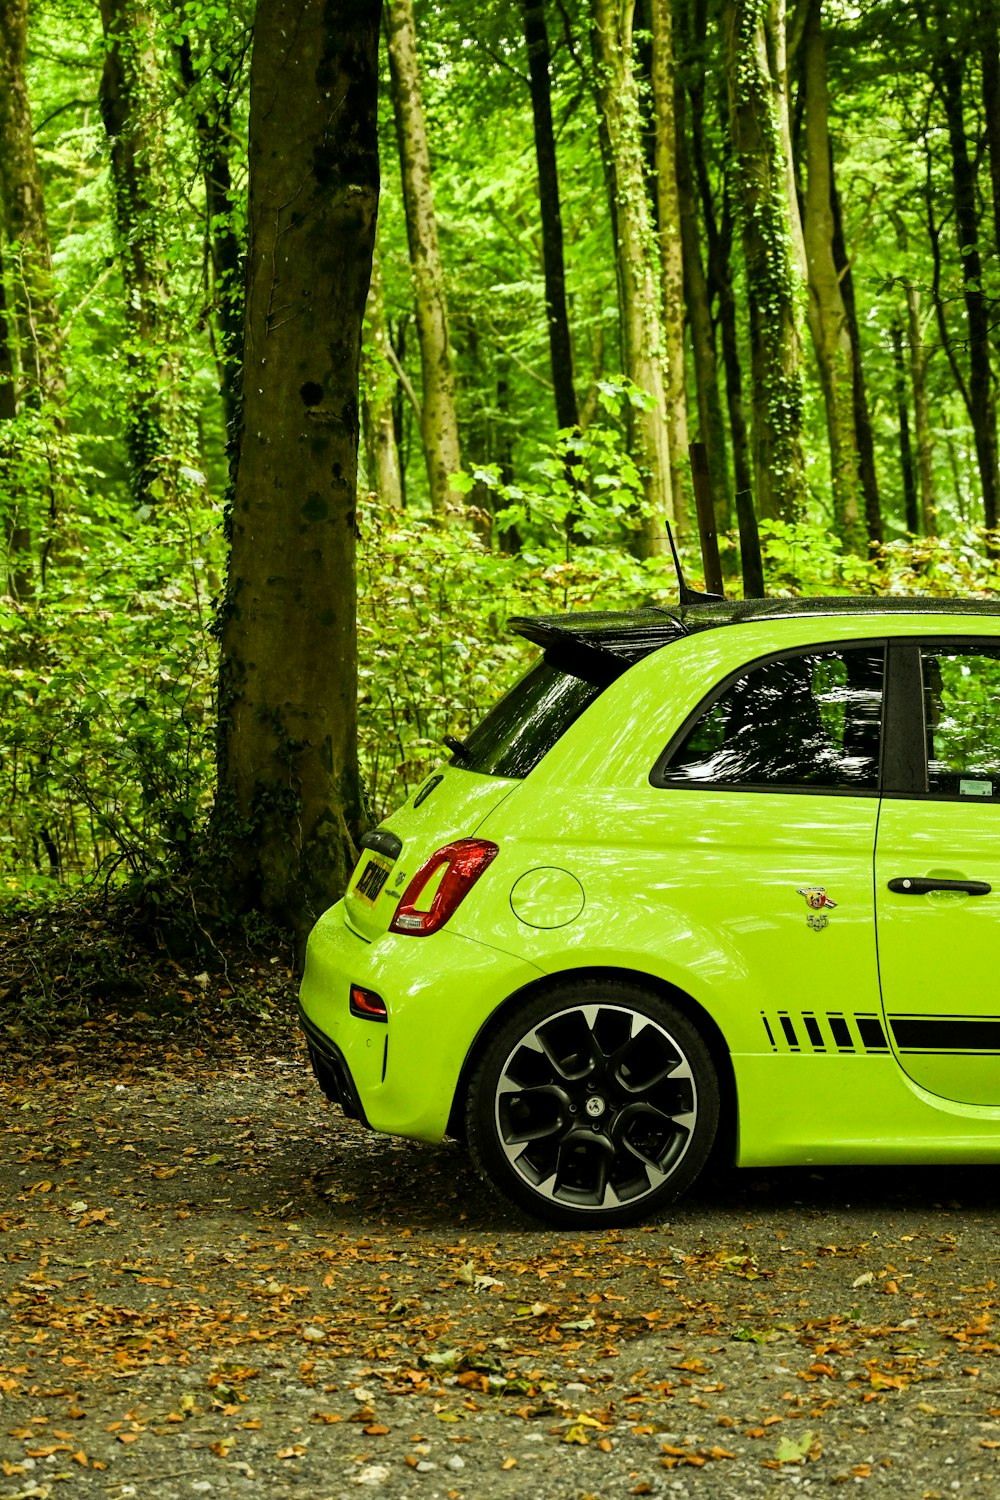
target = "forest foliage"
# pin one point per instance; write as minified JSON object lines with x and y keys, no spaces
{"x":603,"y":232}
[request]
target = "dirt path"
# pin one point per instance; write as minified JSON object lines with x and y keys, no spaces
{"x":213,"y":1285}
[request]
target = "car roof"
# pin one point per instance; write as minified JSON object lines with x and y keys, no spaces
{"x":632,"y":634}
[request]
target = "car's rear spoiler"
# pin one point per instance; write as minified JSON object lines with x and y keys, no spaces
{"x":598,"y":647}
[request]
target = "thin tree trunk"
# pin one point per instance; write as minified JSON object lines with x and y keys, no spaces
{"x":754,"y":66}
{"x":536,"y":42}
{"x":671,"y":249}
{"x":706,"y":373}
{"x":827,"y":313}
{"x":964,"y":169}
{"x":17,"y":534}
{"x":862,"y":417}
{"x":129,"y":89}
{"x":377,"y":387}
{"x":903,"y":417}
{"x":35,"y":316}
{"x":439,"y":419}
{"x":989,"y":56}
{"x":618,"y":103}
{"x":213,"y":120}
{"x":289,"y":806}
{"x":919,"y":358}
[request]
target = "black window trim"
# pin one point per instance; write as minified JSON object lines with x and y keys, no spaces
{"x":658,"y":779}
{"x":904,"y":725}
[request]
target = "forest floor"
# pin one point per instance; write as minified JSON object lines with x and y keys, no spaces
{"x":211,"y":1284}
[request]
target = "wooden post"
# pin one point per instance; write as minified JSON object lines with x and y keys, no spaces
{"x":706,"y":518}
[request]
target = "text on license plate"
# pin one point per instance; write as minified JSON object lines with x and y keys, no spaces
{"x":372,"y":878}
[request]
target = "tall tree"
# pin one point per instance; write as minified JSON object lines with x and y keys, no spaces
{"x":755,"y":69}
{"x":377,"y":387}
{"x":289,"y":806}
{"x":827,"y":313}
{"x":439,"y":420}
{"x":536,"y":42}
{"x":668,"y":217}
{"x":636,"y":259}
{"x":129,"y":106}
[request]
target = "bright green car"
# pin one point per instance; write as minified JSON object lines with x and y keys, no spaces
{"x":720,"y":870}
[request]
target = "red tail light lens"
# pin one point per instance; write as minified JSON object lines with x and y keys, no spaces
{"x":457,"y":867}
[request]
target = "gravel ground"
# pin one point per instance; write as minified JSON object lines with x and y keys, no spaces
{"x":214,"y":1285}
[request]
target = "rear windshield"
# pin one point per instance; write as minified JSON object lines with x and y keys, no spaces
{"x":527,"y":722}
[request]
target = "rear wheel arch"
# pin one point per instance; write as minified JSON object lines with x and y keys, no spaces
{"x":724,"y":1150}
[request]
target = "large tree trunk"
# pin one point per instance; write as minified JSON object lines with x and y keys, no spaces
{"x":827,"y":314}
{"x":16,"y":533}
{"x":964,"y":170}
{"x":377,"y":388}
{"x":129,"y":98}
{"x":639,"y":295}
{"x":289,"y":806}
{"x":213,"y":120}
{"x":536,"y":42}
{"x":439,"y":421}
{"x":767,"y":211}
{"x":668,"y":218}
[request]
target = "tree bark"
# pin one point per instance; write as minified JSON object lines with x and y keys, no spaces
{"x":755,"y":67}
{"x":964,"y":170}
{"x":16,"y":533}
{"x":827,"y":313}
{"x":536,"y":42}
{"x":289,"y":807}
{"x":377,"y":386}
{"x":129,"y":90}
{"x":439,"y":424}
{"x":671,"y":249}
{"x":635,"y":254}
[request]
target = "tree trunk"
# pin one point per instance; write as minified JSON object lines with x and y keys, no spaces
{"x":439,"y":420}
{"x":129,"y":98}
{"x":377,"y":386}
{"x":289,"y":806}
{"x":754,"y":66}
{"x":827,"y":314}
{"x":16,"y":534}
{"x":862,"y":417}
{"x":213,"y":120}
{"x":671,"y":249}
{"x":618,"y":104}
{"x":919,"y":358}
{"x":903,"y":416}
{"x":989,"y":56}
{"x":536,"y":42}
{"x":696,"y":296}
{"x":964,"y":170}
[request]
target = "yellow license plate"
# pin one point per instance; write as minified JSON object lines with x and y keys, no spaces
{"x":372,"y":878}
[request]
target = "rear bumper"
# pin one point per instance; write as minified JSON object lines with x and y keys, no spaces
{"x":402,"y":1074}
{"x":332,"y":1072}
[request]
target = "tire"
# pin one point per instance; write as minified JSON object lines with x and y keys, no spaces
{"x":593,"y":1105}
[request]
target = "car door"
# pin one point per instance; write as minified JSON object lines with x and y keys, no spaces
{"x":767,"y":807}
{"x":937,"y":867}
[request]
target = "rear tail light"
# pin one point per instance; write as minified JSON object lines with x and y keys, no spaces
{"x":450,"y":874}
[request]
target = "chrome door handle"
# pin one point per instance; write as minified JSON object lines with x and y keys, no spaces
{"x":914,"y":885}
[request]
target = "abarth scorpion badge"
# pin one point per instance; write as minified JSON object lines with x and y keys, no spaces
{"x":816,"y":900}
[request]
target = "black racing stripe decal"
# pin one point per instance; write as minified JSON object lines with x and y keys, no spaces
{"x":841,"y":1033}
{"x":872,"y":1035}
{"x":945,"y":1034}
{"x":789,"y":1031}
{"x":814,"y":1033}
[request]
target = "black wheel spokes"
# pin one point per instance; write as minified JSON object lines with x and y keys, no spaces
{"x":596,"y":1106}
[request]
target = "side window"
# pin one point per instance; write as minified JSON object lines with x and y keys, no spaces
{"x":809,"y":720}
{"x":962,"y":716}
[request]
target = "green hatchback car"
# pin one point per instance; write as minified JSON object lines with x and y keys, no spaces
{"x":725,"y":866}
